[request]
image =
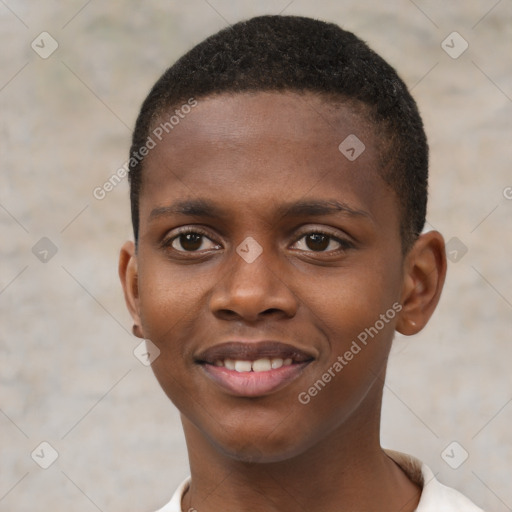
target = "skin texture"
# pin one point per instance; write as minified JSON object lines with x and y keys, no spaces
{"x":254,"y":156}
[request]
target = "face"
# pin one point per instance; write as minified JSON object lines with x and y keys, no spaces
{"x":269,"y":272}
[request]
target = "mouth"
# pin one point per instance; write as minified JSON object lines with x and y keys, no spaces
{"x":252,"y":369}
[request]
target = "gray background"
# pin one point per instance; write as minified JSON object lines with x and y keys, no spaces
{"x":68,"y":375}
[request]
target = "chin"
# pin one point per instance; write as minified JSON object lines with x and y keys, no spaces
{"x":256,"y":447}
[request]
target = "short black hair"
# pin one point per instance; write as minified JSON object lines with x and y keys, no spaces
{"x":299,"y":54}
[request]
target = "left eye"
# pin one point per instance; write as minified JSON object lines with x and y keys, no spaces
{"x":318,"y":242}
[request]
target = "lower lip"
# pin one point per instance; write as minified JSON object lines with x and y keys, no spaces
{"x":253,"y":384}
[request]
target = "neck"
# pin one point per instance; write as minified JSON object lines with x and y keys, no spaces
{"x":346,"y":470}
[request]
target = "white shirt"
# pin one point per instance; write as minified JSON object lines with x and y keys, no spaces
{"x":435,"y":497}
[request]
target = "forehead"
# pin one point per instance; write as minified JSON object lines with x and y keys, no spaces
{"x":232,"y":119}
{"x":260,"y":147}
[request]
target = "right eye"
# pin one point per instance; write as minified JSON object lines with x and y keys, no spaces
{"x":191,"y":241}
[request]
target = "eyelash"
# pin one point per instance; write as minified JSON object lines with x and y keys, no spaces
{"x":344,"y":244}
{"x":167,"y":243}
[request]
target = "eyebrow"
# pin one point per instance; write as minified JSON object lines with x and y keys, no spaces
{"x":318,"y":207}
{"x":190,"y":207}
{"x":302,"y":208}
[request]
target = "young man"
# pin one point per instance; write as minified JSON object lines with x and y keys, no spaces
{"x":278,"y":187}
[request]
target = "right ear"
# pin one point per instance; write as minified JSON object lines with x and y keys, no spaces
{"x":128,"y":273}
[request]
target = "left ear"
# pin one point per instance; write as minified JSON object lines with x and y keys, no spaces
{"x":423,"y":280}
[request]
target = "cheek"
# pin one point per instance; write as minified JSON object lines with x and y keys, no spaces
{"x":172,"y":310}
{"x":359,"y":325}
{"x":356,"y":312}
{"x":171,"y":305}
{"x":354,"y":299}
{"x":169,"y":296}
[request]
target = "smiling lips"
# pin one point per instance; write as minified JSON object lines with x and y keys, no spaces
{"x":255,"y":368}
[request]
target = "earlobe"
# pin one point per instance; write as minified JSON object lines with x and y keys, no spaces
{"x":128,"y":273}
{"x":424,"y":275}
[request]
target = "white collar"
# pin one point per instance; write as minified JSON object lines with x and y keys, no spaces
{"x":435,"y":497}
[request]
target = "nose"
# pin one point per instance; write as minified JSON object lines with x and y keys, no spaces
{"x":252,"y":291}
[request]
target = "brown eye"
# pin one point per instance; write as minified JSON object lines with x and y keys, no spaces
{"x":317,"y":241}
{"x":191,"y":242}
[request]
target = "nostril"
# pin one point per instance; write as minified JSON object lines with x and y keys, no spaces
{"x":227,"y":314}
{"x":271,"y":311}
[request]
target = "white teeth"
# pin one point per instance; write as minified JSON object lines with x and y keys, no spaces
{"x":229,"y":364}
{"x":261,"y":365}
{"x":276,"y":363}
{"x":243,"y":366}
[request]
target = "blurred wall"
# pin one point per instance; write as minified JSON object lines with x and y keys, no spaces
{"x":68,"y":375}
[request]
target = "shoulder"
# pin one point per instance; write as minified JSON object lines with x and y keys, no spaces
{"x":435,"y":497}
{"x":175,"y":504}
